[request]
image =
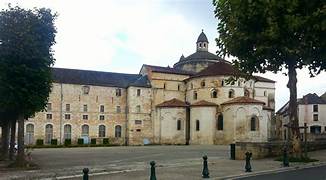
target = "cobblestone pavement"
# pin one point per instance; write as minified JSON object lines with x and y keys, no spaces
{"x":173,"y":162}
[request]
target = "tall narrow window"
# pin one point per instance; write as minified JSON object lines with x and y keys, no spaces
{"x":101,"y":131}
{"x":67,"y":131}
{"x":68,"y":107}
{"x":197,"y":125}
{"x":85,"y":109}
{"x":178,"y":87}
{"x":222,"y":83}
{"x":117,"y":133}
{"x":85,"y":130}
{"x":102,"y":108}
{"x":48,"y":107}
{"x":48,"y":133}
{"x":118,"y":92}
{"x":231,"y":93}
{"x":315,"y":107}
{"x":254,"y":123}
{"x":29,"y":134}
{"x":138,"y":92}
{"x":214,"y":93}
{"x":138,"y":108}
{"x":195,"y":95}
{"x":220,"y":122}
{"x":246,"y":93}
{"x":164,"y":86}
{"x":118,"y":109}
{"x":265,"y":93}
{"x":202,"y":84}
{"x":179,"y":124}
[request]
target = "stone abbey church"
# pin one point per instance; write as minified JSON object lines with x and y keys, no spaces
{"x":191,"y":103}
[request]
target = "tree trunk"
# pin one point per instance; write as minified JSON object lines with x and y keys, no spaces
{"x":4,"y":140}
{"x":293,"y":110}
{"x":12,"y":139}
{"x":20,"y":161}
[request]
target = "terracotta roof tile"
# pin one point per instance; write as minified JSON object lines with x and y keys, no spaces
{"x":172,"y":103}
{"x":243,"y":100}
{"x":204,"y":103}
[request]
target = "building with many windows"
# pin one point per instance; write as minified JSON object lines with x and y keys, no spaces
{"x":189,"y":103}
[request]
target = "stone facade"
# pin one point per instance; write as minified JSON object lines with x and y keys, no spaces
{"x":191,"y":103}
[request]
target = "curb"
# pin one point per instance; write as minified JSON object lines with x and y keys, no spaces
{"x":279,"y":170}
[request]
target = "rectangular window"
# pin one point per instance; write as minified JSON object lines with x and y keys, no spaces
{"x":118,"y":109}
{"x":85,"y":90}
{"x":102,"y":117}
{"x":315,"y":108}
{"x":48,"y":116}
{"x":85,"y":117}
{"x":315,"y":117}
{"x":179,"y":125}
{"x":68,"y":107}
{"x":48,"y":107}
{"x":197,"y":125}
{"x":102,"y":108}
{"x":178,"y":87}
{"x":138,"y":92}
{"x":138,"y":121}
{"x":67,"y":116}
{"x":138,"y":109}
{"x":118,"y":92}
{"x":138,"y":130}
{"x":85,"y":109}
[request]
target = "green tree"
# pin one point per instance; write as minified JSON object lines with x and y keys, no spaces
{"x":26,"y":37}
{"x":271,"y":35}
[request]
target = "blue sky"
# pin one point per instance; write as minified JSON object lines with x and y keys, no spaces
{"x":121,"y":35}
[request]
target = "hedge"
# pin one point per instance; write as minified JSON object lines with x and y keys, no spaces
{"x":80,"y":141}
{"x":105,"y":141}
{"x":93,"y":141}
{"x":67,"y":142}
{"x":39,"y":142}
{"x":54,"y":142}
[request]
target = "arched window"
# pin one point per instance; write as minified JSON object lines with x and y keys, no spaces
{"x":117,"y":131}
{"x":29,"y":134}
{"x":220,"y":123}
{"x":254,"y":123}
{"x":197,"y":125}
{"x":195,"y":95}
{"x":179,"y":124}
{"x":199,"y":44}
{"x":48,"y":133}
{"x":85,"y":130}
{"x":204,"y":44}
{"x":231,"y":93}
{"x":67,"y":131}
{"x":246,"y":93}
{"x":214,"y":93}
{"x":101,"y":131}
{"x":202,"y":84}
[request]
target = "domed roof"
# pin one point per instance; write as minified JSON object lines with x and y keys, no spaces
{"x":202,"y":37}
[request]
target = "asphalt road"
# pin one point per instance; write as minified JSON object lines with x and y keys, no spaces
{"x":314,"y":173}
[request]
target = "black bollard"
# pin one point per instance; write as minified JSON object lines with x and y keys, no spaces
{"x":205,"y":172}
{"x":285,"y":158}
{"x":85,"y":171}
{"x":248,"y":165}
{"x":153,"y":175}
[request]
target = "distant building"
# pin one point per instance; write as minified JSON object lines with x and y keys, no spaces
{"x":311,"y":110}
{"x":191,"y":103}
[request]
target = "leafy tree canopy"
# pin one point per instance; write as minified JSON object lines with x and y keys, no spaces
{"x":267,"y":35}
{"x":26,"y":37}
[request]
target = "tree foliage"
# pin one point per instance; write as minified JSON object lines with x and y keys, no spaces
{"x":266,"y":35}
{"x":26,"y":37}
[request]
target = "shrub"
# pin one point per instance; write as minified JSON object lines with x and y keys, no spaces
{"x":39,"y":142}
{"x":93,"y":141}
{"x":106,"y":141}
{"x":80,"y":141}
{"x":54,"y":142}
{"x":67,"y":142}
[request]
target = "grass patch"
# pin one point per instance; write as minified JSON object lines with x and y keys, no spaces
{"x":295,"y":159}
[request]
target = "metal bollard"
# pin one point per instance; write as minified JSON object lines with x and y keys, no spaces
{"x":205,"y":172}
{"x":153,"y":174}
{"x":85,"y":171}
{"x":285,"y":158}
{"x":248,"y":165}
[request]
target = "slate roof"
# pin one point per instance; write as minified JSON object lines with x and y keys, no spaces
{"x":98,"y":78}
{"x":218,"y":68}
{"x":167,"y":70}
{"x":202,"y":37}
{"x":173,"y":103}
{"x":204,"y":103}
{"x":262,"y":79}
{"x":311,"y":99}
{"x":243,"y":100}
{"x":202,"y":55}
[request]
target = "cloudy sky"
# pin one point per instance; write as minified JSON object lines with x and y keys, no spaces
{"x":121,"y":35}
